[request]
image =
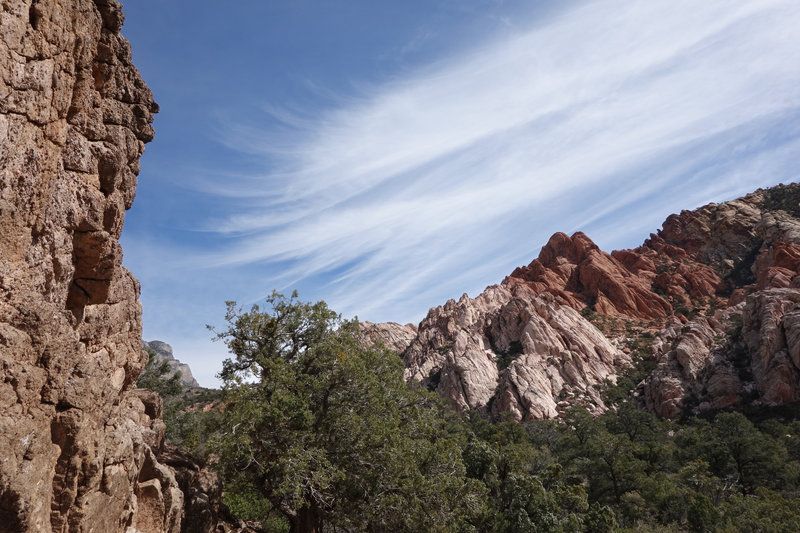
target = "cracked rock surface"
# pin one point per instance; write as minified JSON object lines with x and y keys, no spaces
{"x":77,"y":441}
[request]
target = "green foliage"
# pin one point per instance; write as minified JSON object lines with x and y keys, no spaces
{"x":326,"y":431}
{"x":746,"y":454}
{"x":763,"y":511}
{"x":735,"y":327}
{"x":680,"y":308}
{"x":700,"y":476}
{"x":525,"y":485}
{"x":785,"y":198}
{"x":320,"y":432}
{"x":600,"y":519}
{"x":642,"y":363}
{"x":246,"y":503}
{"x":514,"y":350}
{"x":445,"y":349}
{"x":663,"y":267}
{"x":188,"y":426}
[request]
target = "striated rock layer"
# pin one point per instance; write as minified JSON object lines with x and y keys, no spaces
{"x":78,"y":444}
{"x":714,"y":296}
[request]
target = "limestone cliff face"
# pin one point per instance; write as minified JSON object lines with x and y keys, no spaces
{"x":77,"y":442}
{"x":717,"y":289}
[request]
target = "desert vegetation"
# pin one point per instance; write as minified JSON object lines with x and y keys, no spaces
{"x":321,"y":433}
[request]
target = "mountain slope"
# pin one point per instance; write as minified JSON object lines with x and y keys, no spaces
{"x":163,"y":352}
{"x":711,"y":301}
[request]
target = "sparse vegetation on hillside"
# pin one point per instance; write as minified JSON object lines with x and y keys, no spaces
{"x":642,"y":363}
{"x":786,"y":198}
{"x":156,"y":377}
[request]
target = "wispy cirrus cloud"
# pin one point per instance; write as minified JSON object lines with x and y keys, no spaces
{"x":439,"y":181}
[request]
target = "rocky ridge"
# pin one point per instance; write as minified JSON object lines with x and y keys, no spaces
{"x":712,"y":298}
{"x":394,"y":336}
{"x":164,"y":352}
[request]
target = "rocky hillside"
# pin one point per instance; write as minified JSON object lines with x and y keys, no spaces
{"x":163,"y":352}
{"x":709,"y":306}
{"x":78,"y":443}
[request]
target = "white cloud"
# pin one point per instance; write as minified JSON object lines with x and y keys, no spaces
{"x":420,"y":186}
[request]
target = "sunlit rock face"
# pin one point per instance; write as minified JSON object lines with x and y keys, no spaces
{"x":77,"y":443}
{"x":746,"y":351}
{"x":749,"y":352}
{"x":716,"y":290}
{"x":510,"y":350}
{"x":164,"y":353}
{"x":394,"y":336}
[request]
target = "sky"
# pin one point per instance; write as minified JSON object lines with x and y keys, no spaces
{"x":388,"y":156}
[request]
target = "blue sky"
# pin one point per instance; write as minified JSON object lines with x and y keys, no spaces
{"x":387,"y":156}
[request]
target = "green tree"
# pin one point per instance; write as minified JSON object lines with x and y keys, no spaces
{"x":752,"y":457}
{"x":324,"y":428}
{"x":607,"y":460}
{"x":764,"y":510}
{"x":188,"y":426}
{"x":527,"y":492}
{"x":645,"y":431}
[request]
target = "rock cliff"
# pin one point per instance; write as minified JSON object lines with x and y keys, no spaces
{"x":512,"y":350}
{"x":163,"y":352}
{"x":742,"y":350}
{"x":78,"y":442}
{"x":712,"y":297}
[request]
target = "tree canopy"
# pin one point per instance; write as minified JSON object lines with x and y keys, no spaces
{"x":323,"y":427}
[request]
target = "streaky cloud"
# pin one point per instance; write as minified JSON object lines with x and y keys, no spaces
{"x":412,"y":188}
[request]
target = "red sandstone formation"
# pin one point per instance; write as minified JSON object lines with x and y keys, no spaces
{"x":646,"y":283}
{"x":718,"y":286}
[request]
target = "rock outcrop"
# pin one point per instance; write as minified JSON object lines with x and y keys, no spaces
{"x":201,"y":487}
{"x":78,"y":443}
{"x":743,"y":353}
{"x":717,"y":289}
{"x":394,"y":336}
{"x":748,"y":352}
{"x":648,"y":283}
{"x":579,"y":274}
{"x":510,"y":350}
{"x":163,"y":353}
{"x":693,"y":366}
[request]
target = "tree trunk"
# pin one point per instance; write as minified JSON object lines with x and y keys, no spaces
{"x":307,"y":520}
